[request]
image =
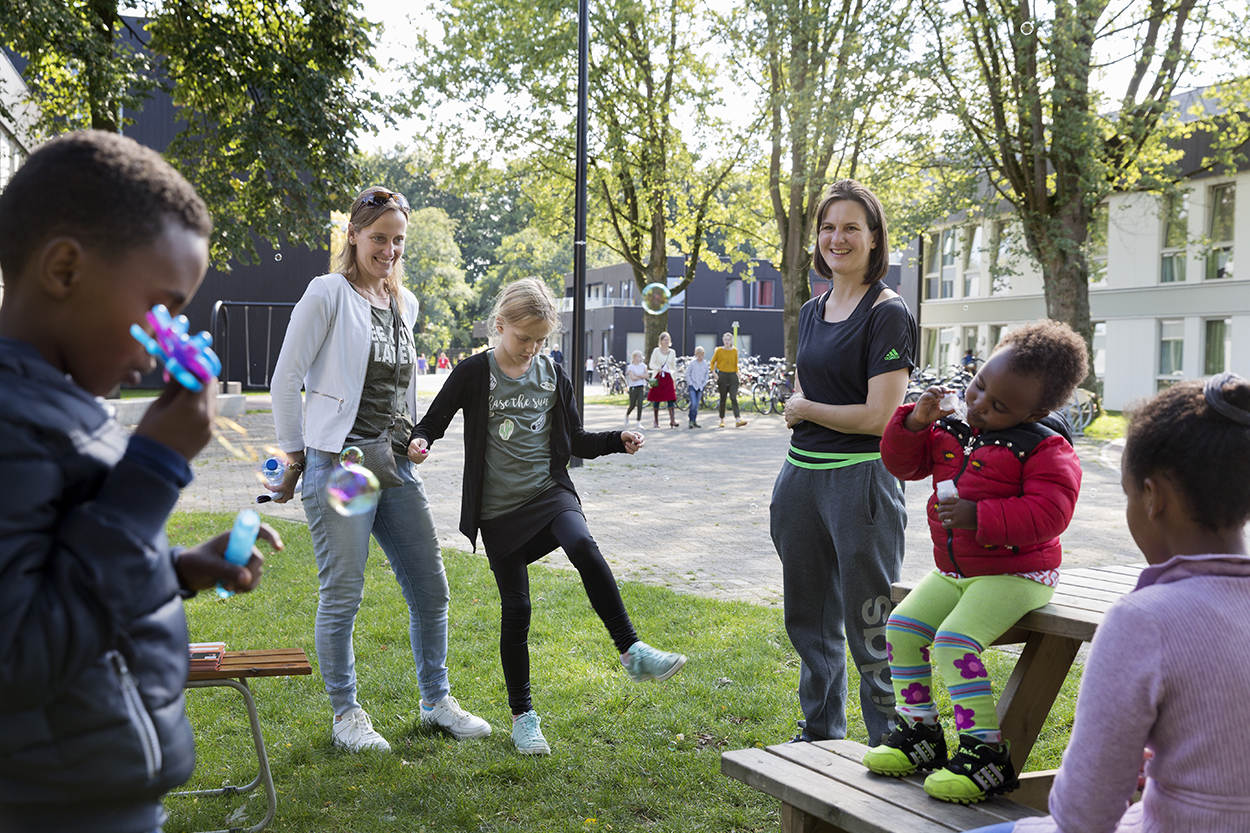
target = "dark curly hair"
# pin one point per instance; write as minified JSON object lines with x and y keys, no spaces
{"x":1205,"y":453}
{"x":1052,"y":351}
{"x":109,"y":192}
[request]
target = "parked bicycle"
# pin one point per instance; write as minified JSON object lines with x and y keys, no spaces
{"x":773,"y":386}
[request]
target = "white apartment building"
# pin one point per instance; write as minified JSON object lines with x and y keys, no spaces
{"x":1164,"y":295}
{"x":16,"y":133}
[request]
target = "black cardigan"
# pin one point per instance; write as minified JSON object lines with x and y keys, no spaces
{"x":468,"y":389}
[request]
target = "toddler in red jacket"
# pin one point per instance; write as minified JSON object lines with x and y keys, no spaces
{"x":1006,"y":479}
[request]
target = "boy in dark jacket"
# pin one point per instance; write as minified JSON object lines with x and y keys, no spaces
{"x":1006,"y":483}
{"x":95,"y":230}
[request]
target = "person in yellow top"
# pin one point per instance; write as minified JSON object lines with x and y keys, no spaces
{"x":725,"y":368}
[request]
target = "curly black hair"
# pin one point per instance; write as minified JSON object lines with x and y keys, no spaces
{"x":1205,"y":453}
{"x":1052,"y":351}
{"x":109,"y":192}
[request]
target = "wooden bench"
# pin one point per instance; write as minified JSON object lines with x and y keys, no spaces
{"x":235,"y":669}
{"x":824,"y":788}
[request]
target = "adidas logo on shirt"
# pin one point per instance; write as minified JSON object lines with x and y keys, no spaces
{"x":891,"y":356}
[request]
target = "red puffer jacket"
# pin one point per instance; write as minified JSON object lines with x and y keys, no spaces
{"x":1025,"y":481}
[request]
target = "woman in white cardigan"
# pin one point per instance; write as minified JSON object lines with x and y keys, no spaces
{"x":663,"y":367}
{"x":355,"y":363}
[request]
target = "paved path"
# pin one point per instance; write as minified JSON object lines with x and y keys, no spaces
{"x":690,"y":511}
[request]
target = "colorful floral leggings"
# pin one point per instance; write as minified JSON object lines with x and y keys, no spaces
{"x":959,"y":617}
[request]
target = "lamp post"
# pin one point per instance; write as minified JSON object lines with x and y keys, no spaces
{"x":579,"y":211}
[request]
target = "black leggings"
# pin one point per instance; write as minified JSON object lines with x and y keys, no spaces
{"x":512,"y":576}
{"x":727,"y":385}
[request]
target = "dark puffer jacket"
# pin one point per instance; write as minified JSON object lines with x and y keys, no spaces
{"x":1025,"y":481}
{"x":93,"y":640}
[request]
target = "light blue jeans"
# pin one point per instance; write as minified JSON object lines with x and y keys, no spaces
{"x":696,"y":396}
{"x":403,"y":526}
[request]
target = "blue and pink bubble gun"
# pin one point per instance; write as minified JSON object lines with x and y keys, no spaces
{"x":189,"y":359}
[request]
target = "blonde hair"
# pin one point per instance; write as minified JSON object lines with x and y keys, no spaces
{"x":637,"y":353}
{"x":364,"y":215}
{"x":523,"y":300}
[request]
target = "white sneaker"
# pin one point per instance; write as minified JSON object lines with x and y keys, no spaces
{"x":638,"y":426}
{"x":353,"y":730}
{"x":447,"y":714}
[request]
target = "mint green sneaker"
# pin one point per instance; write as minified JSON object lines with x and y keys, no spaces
{"x":646,"y":663}
{"x":527,"y":736}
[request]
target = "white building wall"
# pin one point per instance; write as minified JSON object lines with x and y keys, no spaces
{"x":1134,"y":238}
{"x":1130,"y":373}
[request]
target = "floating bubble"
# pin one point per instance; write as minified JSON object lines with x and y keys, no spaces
{"x":351,"y":456}
{"x":1027,"y":27}
{"x":352,"y":489}
{"x":277,"y":257}
{"x":655,"y":298}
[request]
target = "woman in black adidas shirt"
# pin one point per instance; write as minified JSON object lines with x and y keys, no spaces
{"x":837,"y":515}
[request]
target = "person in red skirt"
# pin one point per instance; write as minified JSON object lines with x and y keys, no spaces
{"x":663,"y":367}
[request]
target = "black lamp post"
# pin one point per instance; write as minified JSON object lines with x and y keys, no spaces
{"x":579,"y":210}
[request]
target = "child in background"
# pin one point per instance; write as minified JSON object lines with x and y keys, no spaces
{"x":521,"y":424}
{"x":1006,"y":484}
{"x":94,"y":231}
{"x":636,"y":375}
{"x":696,"y":379}
{"x":1145,"y":684}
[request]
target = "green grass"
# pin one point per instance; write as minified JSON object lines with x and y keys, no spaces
{"x":626,"y":756}
{"x":1109,"y":425}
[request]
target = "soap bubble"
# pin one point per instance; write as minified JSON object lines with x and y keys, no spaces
{"x":277,"y":257}
{"x":351,"y":456}
{"x":352,"y":489}
{"x":655,"y":298}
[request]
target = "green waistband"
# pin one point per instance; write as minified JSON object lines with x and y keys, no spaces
{"x":828,"y":460}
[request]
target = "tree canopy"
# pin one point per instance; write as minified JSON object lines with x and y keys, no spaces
{"x":267,"y":91}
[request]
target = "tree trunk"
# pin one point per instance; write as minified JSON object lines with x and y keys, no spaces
{"x":1065,"y":276}
{"x":103,"y":98}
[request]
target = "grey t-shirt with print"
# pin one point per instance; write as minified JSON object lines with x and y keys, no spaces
{"x":379,"y":395}
{"x":518,"y":436}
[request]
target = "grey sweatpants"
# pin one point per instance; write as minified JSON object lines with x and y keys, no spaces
{"x":839,"y":533}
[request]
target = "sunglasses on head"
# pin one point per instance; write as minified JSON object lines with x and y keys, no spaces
{"x":380,"y":197}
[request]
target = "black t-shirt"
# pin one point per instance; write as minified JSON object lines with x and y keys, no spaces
{"x":836,"y":360}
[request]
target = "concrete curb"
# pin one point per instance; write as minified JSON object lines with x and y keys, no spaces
{"x":130,"y":411}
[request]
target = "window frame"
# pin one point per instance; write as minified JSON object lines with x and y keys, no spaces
{"x":1172,"y":254}
{"x":1220,"y":251}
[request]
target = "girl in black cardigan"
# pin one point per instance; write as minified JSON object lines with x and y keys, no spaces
{"x":521,"y":425}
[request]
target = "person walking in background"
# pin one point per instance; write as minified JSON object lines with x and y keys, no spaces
{"x":636,"y":377}
{"x":725,"y":366}
{"x":423,"y":365}
{"x":444,"y":363}
{"x":696,"y":378}
{"x":349,"y":346}
{"x":837,"y":514}
{"x":590,"y":369}
{"x":521,"y":424}
{"x":663,"y":367}
{"x":557,"y":355}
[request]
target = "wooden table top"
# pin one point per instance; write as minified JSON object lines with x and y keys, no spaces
{"x":1080,"y":601}
{"x":280,"y":662}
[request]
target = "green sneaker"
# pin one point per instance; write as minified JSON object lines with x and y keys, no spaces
{"x":977,"y":771}
{"x":909,"y":746}
{"x":646,"y":663}
{"x":527,"y":736}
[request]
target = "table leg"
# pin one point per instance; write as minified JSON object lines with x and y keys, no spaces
{"x":794,"y":820}
{"x":1030,"y":692}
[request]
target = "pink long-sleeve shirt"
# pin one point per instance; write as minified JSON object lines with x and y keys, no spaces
{"x":1169,"y":670}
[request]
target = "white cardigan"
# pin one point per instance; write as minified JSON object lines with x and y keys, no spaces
{"x":661,"y":362}
{"x":326,"y":350}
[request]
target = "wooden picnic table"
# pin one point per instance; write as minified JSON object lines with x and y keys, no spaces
{"x":1052,"y":636}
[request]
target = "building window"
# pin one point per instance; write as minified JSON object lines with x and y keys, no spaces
{"x":1100,"y":348}
{"x":1220,"y":232}
{"x":1000,"y":254}
{"x":949,"y":246}
{"x":764,"y":294}
{"x":1171,"y":351}
{"x":1096,"y":243}
{"x":819,"y":287}
{"x":1175,"y":238}
{"x":932,"y":265}
{"x":1217,"y":341}
{"x":996,"y":334}
{"x":627,"y":290}
{"x":972,"y":260}
{"x":735,"y":296}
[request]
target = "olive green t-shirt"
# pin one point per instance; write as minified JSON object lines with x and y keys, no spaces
{"x":518,"y":436}
{"x":379,"y":398}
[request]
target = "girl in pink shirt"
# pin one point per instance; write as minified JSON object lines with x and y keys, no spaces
{"x":1169,"y":670}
